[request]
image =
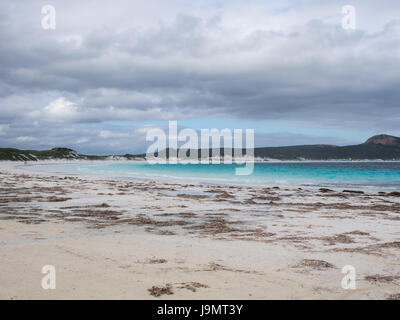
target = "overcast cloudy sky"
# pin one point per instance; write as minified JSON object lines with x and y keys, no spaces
{"x":112,"y":69}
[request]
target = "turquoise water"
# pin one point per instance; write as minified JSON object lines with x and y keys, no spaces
{"x":339,"y":174}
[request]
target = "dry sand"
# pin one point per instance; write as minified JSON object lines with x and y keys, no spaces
{"x":114,"y":239}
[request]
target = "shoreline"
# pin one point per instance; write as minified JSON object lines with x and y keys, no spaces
{"x":221,"y":181}
{"x":143,"y":160}
{"x":111,"y":238}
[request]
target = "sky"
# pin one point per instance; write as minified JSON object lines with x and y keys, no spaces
{"x":111,"y":70}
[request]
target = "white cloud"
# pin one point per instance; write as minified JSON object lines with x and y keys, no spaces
{"x":61,"y":109}
{"x":26,"y":139}
{"x":75,"y":40}
{"x":143,"y":130}
{"x":82,"y":140}
{"x":106,"y":134}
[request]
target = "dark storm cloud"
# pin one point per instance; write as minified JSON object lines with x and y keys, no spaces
{"x":101,"y":64}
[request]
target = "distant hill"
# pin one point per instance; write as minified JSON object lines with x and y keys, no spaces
{"x":53,"y":154}
{"x":380,"y":147}
{"x":32,"y":155}
{"x":383,"y":147}
{"x":384,"y":139}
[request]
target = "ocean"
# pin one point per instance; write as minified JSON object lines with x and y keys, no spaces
{"x":361,"y":175}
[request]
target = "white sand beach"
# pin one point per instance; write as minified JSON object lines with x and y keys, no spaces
{"x":118,"y":239}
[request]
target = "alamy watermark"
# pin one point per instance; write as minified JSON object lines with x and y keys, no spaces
{"x":49,"y":19}
{"x":195,"y":150}
{"x":49,"y":280}
{"x":349,"y":280}
{"x":349,"y":17}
